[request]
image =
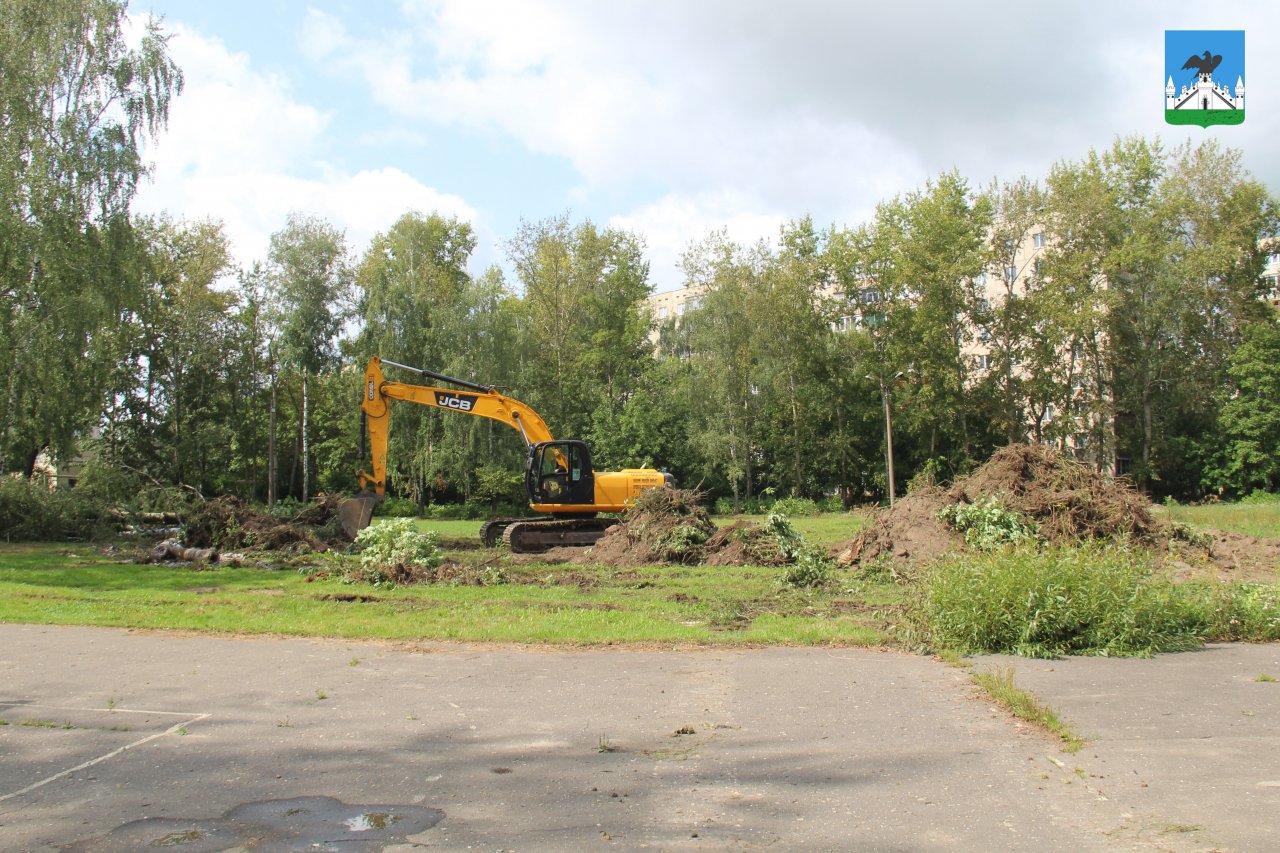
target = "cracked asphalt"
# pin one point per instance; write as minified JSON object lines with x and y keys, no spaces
{"x":116,"y":740}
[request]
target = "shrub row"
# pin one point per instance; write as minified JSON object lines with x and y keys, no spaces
{"x":31,"y":512}
{"x":1100,"y":600}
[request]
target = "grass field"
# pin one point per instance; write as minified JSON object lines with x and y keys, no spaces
{"x":1251,"y":519}
{"x":539,"y":603}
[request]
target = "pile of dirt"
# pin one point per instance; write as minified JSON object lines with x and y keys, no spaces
{"x":662,"y":526}
{"x":744,"y":544}
{"x":226,"y":523}
{"x":1068,"y":500}
{"x":908,"y":532}
{"x":669,"y":526}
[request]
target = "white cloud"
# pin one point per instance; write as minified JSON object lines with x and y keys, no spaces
{"x":241,"y":148}
{"x":671,"y":224}
{"x":690,"y":116}
{"x":801,"y":104}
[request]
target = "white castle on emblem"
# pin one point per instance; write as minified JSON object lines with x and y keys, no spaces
{"x":1204,"y":95}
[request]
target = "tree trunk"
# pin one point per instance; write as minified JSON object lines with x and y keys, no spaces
{"x":271,"y":447}
{"x":1147,"y":430}
{"x":795,"y":432}
{"x":29,"y":469}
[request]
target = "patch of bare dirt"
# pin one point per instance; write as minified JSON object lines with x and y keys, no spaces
{"x":1228,"y":557}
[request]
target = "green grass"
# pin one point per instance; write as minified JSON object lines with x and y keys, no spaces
{"x":823,"y":530}
{"x":1204,"y":118}
{"x":559,"y":604}
{"x":1000,"y":686}
{"x":1250,"y":519}
{"x":1047,"y":602}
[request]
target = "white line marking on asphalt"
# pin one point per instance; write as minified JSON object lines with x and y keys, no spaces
{"x":100,"y":710}
{"x":191,"y":718}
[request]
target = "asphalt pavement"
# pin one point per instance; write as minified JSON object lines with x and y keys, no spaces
{"x":118,"y":740}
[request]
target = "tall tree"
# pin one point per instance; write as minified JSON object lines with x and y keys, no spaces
{"x":1157,"y":256}
{"x":413,"y":287}
{"x":791,"y":346}
{"x":75,"y":104}
{"x":1005,"y":324}
{"x":311,"y":288}
{"x":1250,"y":415}
{"x":722,"y":356}
{"x":171,"y":417}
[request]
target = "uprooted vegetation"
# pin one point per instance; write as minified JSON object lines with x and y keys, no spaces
{"x":671,"y":526}
{"x":1034,"y":493}
{"x":228,"y":524}
{"x":1037,"y":554}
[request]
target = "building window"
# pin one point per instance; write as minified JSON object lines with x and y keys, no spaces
{"x":1010,"y":274}
{"x":983,"y":362}
{"x":980,"y":279}
{"x":662,"y":313}
{"x":870,"y":297}
{"x":983,"y":305}
{"x":1037,"y":240}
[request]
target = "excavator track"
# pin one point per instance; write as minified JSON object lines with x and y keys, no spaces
{"x":532,"y":536}
{"x":491,"y":531}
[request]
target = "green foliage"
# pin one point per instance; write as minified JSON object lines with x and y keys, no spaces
{"x":396,"y":508}
{"x":796,"y":506}
{"x":78,"y":100}
{"x":809,"y":567}
{"x":810,"y":570}
{"x":286,"y":508}
{"x":683,"y":541}
{"x":1260,"y":497}
{"x":394,"y":551}
{"x":497,"y":485}
{"x":1248,"y":613}
{"x":1250,"y":415}
{"x":986,"y":524}
{"x":791,"y":507}
{"x":1067,"y":600}
{"x":31,"y":512}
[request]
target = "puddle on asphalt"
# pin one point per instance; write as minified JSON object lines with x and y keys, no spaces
{"x":273,"y":826}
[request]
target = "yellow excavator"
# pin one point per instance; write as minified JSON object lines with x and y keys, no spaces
{"x":559,"y":481}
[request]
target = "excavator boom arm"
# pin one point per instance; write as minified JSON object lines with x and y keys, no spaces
{"x":475,"y":400}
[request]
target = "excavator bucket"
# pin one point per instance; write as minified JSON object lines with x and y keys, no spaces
{"x":354,"y":513}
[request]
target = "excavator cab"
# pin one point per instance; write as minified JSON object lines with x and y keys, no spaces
{"x":559,"y":472}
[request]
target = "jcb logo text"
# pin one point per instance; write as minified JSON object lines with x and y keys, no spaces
{"x":461,"y":402}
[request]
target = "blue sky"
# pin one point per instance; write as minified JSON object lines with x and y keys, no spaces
{"x":668,"y":118}
{"x":1229,"y":44}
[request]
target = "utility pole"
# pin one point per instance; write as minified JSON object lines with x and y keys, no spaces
{"x":888,"y":439}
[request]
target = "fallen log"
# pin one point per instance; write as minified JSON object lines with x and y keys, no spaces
{"x":172,"y":549}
